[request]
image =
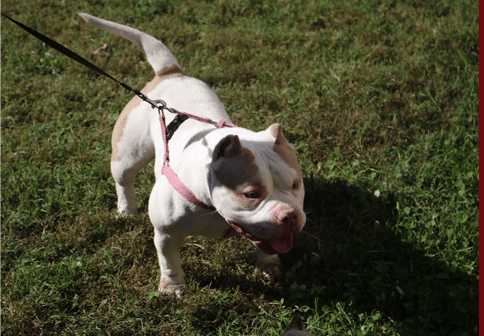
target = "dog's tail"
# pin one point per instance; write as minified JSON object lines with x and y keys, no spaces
{"x":158,"y":55}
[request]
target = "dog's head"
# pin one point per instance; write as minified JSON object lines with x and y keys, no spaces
{"x":257,"y":186}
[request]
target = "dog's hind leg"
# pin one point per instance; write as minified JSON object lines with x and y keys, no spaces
{"x":125,"y":176}
{"x":133,"y":149}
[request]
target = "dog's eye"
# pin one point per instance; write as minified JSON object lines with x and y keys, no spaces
{"x":295,"y":185}
{"x":251,"y":194}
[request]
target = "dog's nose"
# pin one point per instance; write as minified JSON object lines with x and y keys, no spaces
{"x":289,"y":218}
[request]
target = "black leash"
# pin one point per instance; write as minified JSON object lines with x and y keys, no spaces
{"x":69,"y":53}
{"x":158,"y":104}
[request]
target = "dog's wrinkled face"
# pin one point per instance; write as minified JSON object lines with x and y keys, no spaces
{"x":258,"y":187}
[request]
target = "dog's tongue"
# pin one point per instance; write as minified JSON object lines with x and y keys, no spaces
{"x":275,"y":246}
{"x":270,"y":246}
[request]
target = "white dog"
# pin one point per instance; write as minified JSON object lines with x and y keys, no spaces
{"x":219,"y":180}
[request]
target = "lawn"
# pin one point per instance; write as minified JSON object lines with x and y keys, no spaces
{"x":380,"y":99}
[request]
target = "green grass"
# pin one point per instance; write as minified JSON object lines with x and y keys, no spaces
{"x":380,"y":99}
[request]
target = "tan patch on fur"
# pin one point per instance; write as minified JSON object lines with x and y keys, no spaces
{"x":235,"y":171}
{"x":240,"y":174}
{"x":173,"y":69}
{"x":238,"y":195}
{"x":287,"y":153}
{"x":118,"y":130}
{"x":284,"y":148}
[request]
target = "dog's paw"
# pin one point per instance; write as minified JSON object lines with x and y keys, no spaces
{"x":175,"y":290}
{"x":171,"y":287}
{"x":126,"y":213}
{"x":269,"y":265}
{"x":273,"y":272}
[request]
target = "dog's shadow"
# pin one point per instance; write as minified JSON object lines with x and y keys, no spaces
{"x":353,"y":252}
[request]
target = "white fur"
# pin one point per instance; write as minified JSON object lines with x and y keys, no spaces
{"x":138,"y":141}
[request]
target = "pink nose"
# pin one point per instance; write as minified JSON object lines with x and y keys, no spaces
{"x":288,"y":217}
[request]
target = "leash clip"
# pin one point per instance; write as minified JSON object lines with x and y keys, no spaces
{"x":160,"y":104}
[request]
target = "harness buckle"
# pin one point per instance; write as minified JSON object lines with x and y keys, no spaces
{"x":160,"y":104}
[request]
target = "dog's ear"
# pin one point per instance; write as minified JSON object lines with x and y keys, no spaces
{"x":286,"y":150}
{"x":276,"y":131}
{"x":296,"y":323}
{"x":233,"y":164}
{"x":228,"y":147}
{"x":295,"y":328}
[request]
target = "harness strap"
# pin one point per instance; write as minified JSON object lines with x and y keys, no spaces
{"x":166,"y":170}
{"x":183,"y":189}
{"x":220,"y":124}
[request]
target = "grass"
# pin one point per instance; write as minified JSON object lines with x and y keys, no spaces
{"x":381,"y":101}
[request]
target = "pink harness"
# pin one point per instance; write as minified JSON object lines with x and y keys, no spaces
{"x":183,"y":190}
{"x":159,"y":104}
{"x":166,"y":169}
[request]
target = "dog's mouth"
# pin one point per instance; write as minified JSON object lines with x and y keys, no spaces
{"x":269,"y":246}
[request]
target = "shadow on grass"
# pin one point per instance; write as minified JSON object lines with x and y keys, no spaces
{"x":351,"y":252}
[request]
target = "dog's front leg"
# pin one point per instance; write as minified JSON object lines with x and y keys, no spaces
{"x":168,"y":250}
{"x":269,"y":264}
